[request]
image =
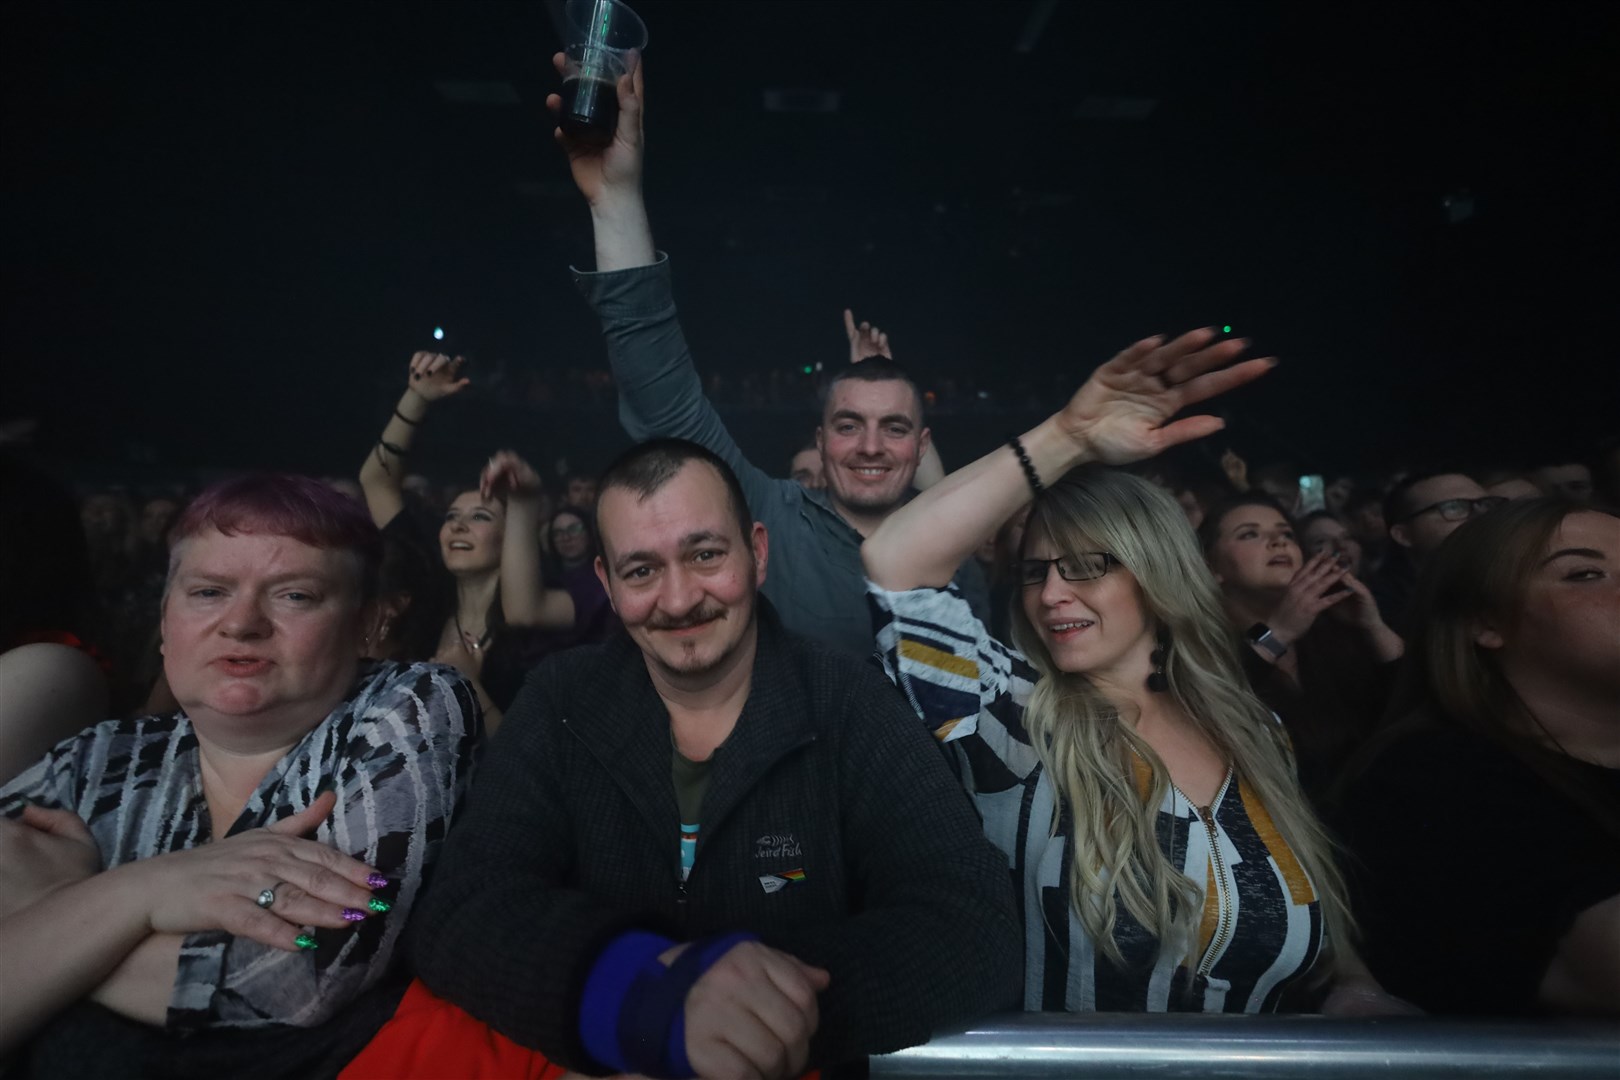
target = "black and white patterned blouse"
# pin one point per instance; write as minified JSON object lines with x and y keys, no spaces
{"x":1260,"y":928}
{"x":397,"y":751}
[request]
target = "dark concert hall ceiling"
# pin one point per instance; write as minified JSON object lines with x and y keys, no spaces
{"x":270,"y":204}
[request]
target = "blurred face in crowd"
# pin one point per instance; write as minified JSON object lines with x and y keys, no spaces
{"x":569,"y":539}
{"x":1574,"y":481}
{"x":581,"y":493}
{"x":156,"y":518}
{"x":1255,"y":550}
{"x":681,"y":575}
{"x":1568,"y":629}
{"x":871,"y":438}
{"x":1514,"y":487}
{"x":102,"y":516}
{"x":470,"y":538}
{"x":1284,"y":491}
{"x":805,"y":469}
{"x":1427,"y":524}
{"x":420,"y":486}
{"x":1098,"y":627}
{"x":1188,"y":501}
{"x":1325,"y":534}
{"x":261,"y":633}
{"x":1337,"y":494}
{"x":1367,"y":523}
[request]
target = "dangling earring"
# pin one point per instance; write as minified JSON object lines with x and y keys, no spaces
{"x":1157,"y":681}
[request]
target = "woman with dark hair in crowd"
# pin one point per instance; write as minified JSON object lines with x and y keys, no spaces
{"x":1324,"y":532}
{"x":1486,"y":823}
{"x":154,"y":867}
{"x":488,"y":543}
{"x":572,"y":534}
{"x":55,"y":682}
{"x":1115,"y":753}
{"x":1316,"y":651}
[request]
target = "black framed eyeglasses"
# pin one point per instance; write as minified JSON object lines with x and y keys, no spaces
{"x":1085,"y":566}
{"x":1458,"y":509}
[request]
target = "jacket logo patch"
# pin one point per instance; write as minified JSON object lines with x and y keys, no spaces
{"x":773,"y":846}
{"x":775,"y":883}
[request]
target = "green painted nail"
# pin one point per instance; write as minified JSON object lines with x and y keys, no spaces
{"x":305,"y":941}
{"x":379,"y":906}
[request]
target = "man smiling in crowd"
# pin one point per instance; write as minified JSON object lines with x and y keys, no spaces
{"x":871,"y":438}
{"x":709,"y":846}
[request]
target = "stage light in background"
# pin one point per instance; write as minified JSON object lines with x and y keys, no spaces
{"x":438,"y":333}
{"x":1226,"y":329}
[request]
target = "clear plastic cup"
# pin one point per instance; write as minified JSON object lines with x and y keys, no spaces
{"x":603,"y":38}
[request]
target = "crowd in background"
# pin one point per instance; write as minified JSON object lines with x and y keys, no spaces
{"x":1353,"y":740}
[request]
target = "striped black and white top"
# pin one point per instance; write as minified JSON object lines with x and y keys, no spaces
{"x":397,"y":751}
{"x":1261,"y":924}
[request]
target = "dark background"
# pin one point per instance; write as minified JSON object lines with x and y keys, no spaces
{"x":227,"y":226}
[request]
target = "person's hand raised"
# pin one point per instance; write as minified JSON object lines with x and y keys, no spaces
{"x":216,"y":886}
{"x":435,"y":376}
{"x":1314,"y":588}
{"x":865,"y":340}
{"x":508,"y":476}
{"x":1122,"y":413}
{"x":1360,"y":609}
{"x":604,"y":171}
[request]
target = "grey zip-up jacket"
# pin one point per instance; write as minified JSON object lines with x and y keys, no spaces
{"x":832,"y":828}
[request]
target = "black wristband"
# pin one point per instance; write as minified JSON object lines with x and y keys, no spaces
{"x":391,"y":448}
{"x":408,"y":420}
{"x":1030,"y":474}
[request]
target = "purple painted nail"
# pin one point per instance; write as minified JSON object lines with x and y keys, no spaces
{"x":353,"y":914}
{"x":377,"y":881}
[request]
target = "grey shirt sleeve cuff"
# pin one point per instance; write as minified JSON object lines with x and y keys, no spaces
{"x":638,"y":292}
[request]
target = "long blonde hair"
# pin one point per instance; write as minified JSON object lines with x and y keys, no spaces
{"x":1086,"y":747}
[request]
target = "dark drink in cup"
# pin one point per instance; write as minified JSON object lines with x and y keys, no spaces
{"x":590,"y":110}
{"x":603,"y":42}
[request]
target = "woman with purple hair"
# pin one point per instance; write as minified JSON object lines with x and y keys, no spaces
{"x":234,"y":877}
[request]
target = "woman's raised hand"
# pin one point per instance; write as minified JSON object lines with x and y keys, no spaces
{"x":435,"y":375}
{"x":1122,"y":413}
{"x":217,"y":886}
{"x":508,"y":476}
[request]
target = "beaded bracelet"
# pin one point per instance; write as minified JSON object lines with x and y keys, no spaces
{"x":1030,"y":474}
{"x":391,"y":448}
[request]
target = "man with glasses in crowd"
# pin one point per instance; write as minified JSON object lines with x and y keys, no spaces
{"x":1421,"y":511}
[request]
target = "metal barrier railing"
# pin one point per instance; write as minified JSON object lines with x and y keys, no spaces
{"x":1104,"y":1046}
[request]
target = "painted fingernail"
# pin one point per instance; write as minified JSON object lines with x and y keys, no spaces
{"x":354,"y":914}
{"x":379,"y":906}
{"x":376,"y":881}
{"x":305,"y":941}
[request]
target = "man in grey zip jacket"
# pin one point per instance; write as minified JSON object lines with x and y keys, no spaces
{"x":871,"y":436}
{"x":840,"y":898}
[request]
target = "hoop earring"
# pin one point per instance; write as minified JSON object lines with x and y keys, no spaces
{"x":1157,"y":681}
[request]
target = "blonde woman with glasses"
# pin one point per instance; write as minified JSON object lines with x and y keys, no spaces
{"x":1162,"y":853}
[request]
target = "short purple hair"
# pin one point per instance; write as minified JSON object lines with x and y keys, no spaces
{"x":281,"y":504}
